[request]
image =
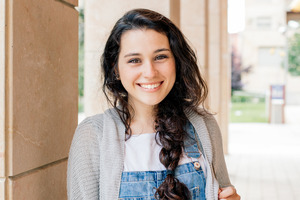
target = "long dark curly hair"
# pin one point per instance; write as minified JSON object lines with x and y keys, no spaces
{"x":188,"y":92}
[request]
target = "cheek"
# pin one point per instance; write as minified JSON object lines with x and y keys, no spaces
{"x":172,"y":71}
{"x":127,"y":77}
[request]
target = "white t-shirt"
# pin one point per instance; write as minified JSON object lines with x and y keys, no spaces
{"x":142,"y":154}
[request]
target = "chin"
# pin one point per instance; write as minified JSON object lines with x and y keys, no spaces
{"x":152,"y":102}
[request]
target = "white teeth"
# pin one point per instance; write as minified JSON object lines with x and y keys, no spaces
{"x":151,"y":86}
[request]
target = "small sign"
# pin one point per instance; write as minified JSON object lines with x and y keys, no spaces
{"x":277,"y":92}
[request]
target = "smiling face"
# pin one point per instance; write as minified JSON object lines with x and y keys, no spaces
{"x":146,"y":66}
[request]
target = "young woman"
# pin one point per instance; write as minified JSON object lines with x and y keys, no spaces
{"x":157,"y":142}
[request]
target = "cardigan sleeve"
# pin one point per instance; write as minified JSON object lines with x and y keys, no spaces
{"x":83,"y":163}
{"x":218,"y":161}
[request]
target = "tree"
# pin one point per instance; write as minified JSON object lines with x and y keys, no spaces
{"x":81,"y":53}
{"x":81,"y":60}
{"x":237,"y":70}
{"x":294,"y":55}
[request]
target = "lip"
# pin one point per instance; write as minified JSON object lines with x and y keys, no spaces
{"x":151,"y":89}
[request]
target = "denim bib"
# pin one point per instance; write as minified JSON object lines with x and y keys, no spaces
{"x":140,"y":185}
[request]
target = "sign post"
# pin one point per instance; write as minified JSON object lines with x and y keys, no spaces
{"x":277,"y":104}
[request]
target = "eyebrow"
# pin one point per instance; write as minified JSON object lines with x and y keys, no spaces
{"x":132,"y":54}
{"x":163,"y":49}
{"x":156,"y":51}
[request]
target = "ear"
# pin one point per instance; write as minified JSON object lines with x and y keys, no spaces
{"x":116,"y":72}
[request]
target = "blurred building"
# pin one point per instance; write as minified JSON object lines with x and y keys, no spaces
{"x":262,"y":46}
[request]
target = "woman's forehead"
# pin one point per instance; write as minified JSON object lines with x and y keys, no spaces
{"x":143,"y":40}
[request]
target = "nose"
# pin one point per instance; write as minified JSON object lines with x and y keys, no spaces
{"x":149,"y":70}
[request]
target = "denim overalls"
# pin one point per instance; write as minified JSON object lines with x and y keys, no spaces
{"x":140,"y":185}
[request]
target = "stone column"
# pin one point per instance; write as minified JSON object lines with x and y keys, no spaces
{"x":38,"y":96}
{"x":100,"y":16}
{"x":2,"y":105}
{"x":218,"y":64}
{"x":204,"y":22}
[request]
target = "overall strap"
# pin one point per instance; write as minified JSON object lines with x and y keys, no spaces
{"x":192,"y":142}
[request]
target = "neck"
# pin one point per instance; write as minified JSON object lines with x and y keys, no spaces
{"x":142,"y":119}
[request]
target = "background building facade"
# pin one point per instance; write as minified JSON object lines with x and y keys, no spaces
{"x":263,"y":48}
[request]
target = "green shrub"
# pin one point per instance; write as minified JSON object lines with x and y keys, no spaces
{"x":243,"y":97}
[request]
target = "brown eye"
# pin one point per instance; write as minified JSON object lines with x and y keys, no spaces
{"x":134,"y":60}
{"x":161,"y":57}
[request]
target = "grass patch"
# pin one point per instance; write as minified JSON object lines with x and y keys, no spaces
{"x":80,"y":105}
{"x":248,"y":112}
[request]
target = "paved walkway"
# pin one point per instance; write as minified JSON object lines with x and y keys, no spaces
{"x":292,"y":114}
{"x":264,"y":161}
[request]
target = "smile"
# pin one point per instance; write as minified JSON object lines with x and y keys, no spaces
{"x":150,"y":86}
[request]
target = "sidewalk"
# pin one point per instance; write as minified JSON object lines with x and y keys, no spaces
{"x":264,"y":160}
{"x":292,"y":115}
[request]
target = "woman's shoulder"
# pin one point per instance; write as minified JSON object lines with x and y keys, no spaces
{"x":206,"y":118}
{"x":90,"y":122}
{"x":87,"y":131}
{"x":94,"y":124}
{"x":202,"y":113}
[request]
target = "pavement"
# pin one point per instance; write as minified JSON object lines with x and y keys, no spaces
{"x":264,"y":160}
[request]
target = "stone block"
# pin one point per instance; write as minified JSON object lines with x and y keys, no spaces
{"x":71,"y":2}
{"x":45,"y":183}
{"x":42,"y":114}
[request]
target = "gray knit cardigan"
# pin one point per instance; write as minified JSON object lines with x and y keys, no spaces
{"x":96,"y":156}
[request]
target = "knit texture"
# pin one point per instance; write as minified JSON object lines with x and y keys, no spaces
{"x":96,"y":156}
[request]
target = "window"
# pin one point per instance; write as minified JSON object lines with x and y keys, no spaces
{"x":263,"y":22}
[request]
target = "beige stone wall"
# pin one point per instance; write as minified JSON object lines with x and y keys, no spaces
{"x":2,"y":92}
{"x":39,"y":111}
{"x":193,"y":26}
{"x":204,"y":23}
